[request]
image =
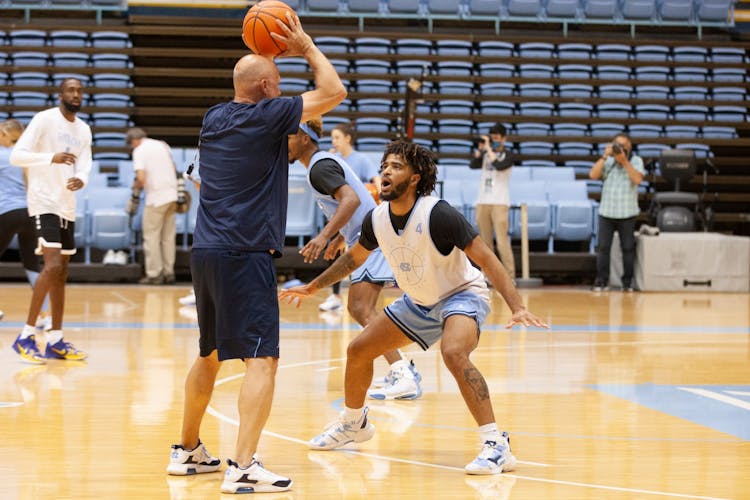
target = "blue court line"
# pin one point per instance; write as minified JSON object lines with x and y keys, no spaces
{"x":703,"y":329}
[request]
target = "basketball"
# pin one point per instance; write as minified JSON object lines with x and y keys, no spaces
{"x":260,"y":22}
{"x":373,"y":190}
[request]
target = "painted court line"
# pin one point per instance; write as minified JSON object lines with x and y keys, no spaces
{"x":718,"y":397}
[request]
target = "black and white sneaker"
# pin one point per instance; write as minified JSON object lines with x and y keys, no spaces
{"x":184,"y":462}
{"x":254,"y":479}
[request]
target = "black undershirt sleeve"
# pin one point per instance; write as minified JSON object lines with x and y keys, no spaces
{"x":367,"y":235}
{"x":326,"y":176}
{"x":449,"y":228}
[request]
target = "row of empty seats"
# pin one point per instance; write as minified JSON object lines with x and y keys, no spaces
{"x":685,"y":11}
{"x":332,"y":45}
{"x":37,"y":79}
{"x":418,"y":67}
{"x":65,"y":38}
{"x":66,"y":59}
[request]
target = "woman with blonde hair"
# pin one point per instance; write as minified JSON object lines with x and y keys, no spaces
{"x":14,"y":217}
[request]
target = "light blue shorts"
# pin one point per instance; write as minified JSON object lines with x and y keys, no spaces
{"x":424,"y":325}
{"x":374,"y":270}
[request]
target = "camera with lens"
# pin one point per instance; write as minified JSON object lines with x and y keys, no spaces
{"x":131,"y":208}
{"x":616,"y":148}
{"x":478,"y":141}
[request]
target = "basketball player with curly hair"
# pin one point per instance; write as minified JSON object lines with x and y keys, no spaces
{"x":428,"y":245}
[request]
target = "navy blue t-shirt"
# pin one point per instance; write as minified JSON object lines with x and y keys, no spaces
{"x":244,"y":169}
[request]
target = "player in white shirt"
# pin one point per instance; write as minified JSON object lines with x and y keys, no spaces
{"x":55,"y":150}
{"x":428,"y":245}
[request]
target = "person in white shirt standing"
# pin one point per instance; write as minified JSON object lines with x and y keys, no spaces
{"x":55,"y":150}
{"x":155,"y":172}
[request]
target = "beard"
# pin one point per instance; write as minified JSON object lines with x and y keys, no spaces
{"x":71,"y":108}
{"x":396,"y":191}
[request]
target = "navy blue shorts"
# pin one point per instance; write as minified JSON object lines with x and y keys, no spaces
{"x":237,"y":303}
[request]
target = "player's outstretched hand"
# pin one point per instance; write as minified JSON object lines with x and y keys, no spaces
{"x":311,"y":251}
{"x":296,"y":40}
{"x":525,"y":318}
{"x":296,"y":294}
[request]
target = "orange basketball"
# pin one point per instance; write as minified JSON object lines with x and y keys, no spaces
{"x":260,"y":22}
{"x":373,"y":190}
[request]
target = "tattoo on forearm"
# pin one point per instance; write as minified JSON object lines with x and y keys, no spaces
{"x":341,"y":267}
{"x":477,"y":383}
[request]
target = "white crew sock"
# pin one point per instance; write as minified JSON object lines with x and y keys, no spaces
{"x":28,"y":331}
{"x":352,"y":415}
{"x":489,"y":432}
{"x":54,"y":336}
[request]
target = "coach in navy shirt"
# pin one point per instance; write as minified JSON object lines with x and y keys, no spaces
{"x":240,"y":229}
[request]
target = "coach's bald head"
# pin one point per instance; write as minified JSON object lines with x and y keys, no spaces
{"x":255,"y":77}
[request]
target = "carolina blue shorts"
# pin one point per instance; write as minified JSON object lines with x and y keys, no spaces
{"x":237,"y":303}
{"x":424,"y":325}
{"x":374,"y":270}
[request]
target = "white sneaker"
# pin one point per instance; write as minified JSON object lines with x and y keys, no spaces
{"x":388,"y":379}
{"x":1,"y":315}
{"x":187,"y":300}
{"x":44,"y":323}
{"x":121,"y":258}
{"x":332,"y":303}
{"x":493,"y":459}
{"x":183,"y":462}
{"x":341,"y":432}
{"x":403,"y":385}
{"x":109,"y":257}
{"x":254,"y":479}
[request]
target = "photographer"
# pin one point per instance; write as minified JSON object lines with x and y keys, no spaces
{"x":621,"y":172}
{"x":494,"y":197}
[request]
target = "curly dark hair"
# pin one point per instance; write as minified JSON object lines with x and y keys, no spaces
{"x":420,"y":159}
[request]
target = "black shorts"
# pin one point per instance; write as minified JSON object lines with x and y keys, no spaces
{"x":53,"y":231}
{"x":18,"y":222}
{"x":237,"y":303}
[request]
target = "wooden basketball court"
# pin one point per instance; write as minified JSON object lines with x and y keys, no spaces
{"x":643,"y":395}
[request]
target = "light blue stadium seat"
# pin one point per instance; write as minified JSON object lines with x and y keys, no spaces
{"x":690,"y":112}
{"x":690,"y":74}
{"x":700,"y":150}
{"x":566,"y":9}
{"x":331,"y":121}
{"x":715,"y":132}
{"x":728,"y":94}
{"x":110,"y":40}
{"x":22,"y":99}
{"x":454,"y":68}
{"x":294,"y":85}
{"x":301,"y":215}
{"x":118,"y":120}
{"x":365,"y":125}
{"x":613,"y":111}
{"x":537,"y":164}
{"x":575,"y":91}
{"x":660,"y":73}
{"x":413,"y":67}
{"x":374,"y":105}
{"x":109,"y":222}
{"x":413,"y":46}
{"x":524,"y":8}
{"x":104,"y":60}
{"x":606,"y":129}
{"x":29,"y":58}
{"x":655,"y":53}
{"x":540,"y":148}
{"x":484,"y":7}
{"x":109,"y":140}
{"x":638,"y":9}
{"x":366,"y":6}
{"x":292,"y":65}
{"x":533,"y":194}
{"x":70,"y":60}
{"x":715,"y":10}
{"x":675,"y":10}
{"x":462,"y":88}
{"x":573,"y":212}
{"x":574,"y":110}
{"x":691,"y":93}
{"x":600,"y":9}
{"x":536,"y":109}
{"x":111,"y":100}
{"x":650,"y":150}
{"x":456,"y":146}
{"x":544,"y":50}
{"x":332,"y":44}
{"x":728,"y":113}
{"x":644,"y":130}
{"x":483,"y":128}
{"x":540,"y":129}
{"x":423,"y":126}
{"x":615,"y":91}
{"x":374,"y":86}
{"x":323,"y":5}
{"x":580,"y":167}
{"x":682,"y":131}
{"x":58,"y":78}
{"x":27,"y":38}
{"x":68,"y":38}
{"x":536,"y":89}
{"x":659,"y":92}
{"x":455,"y":106}
{"x":445,"y":7}
{"x":573,"y":50}
{"x":729,"y":74}
{"x":569,"y":129}
{"x":536,"y":70}
{"x":612,"y":51}
{"x":112,"y":80}
{"x":497,"y":89}
{"x":372,"y":144}
{"x":454,"y":126}
{"x":553,"y":174}
{"x":730,"y":55}
{"x":612,"y":72}
{"x":372,"y":45}
{"x":30,"y":79}
{"x":574,"y":71}
{"x":689,"y":53}
{"x":574,"y":149}
{"x":495,"y":48}
{"x":651,"y":112}
{"x":453,"y":47}
{"x":498,"y":70}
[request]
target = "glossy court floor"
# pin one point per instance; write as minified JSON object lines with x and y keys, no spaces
{"x":643,"y":395}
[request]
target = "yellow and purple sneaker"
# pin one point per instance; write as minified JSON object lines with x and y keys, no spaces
{"x":64,"y":350}
{"x":27,"y":349}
